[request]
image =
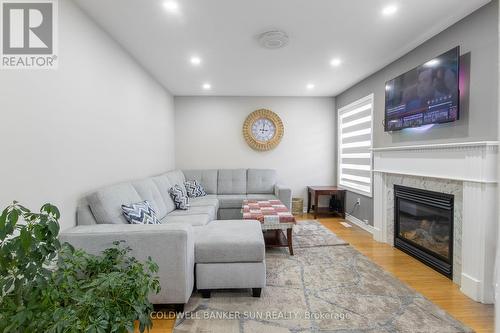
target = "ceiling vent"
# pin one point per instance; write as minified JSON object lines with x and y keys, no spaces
{"x":274,"y":39}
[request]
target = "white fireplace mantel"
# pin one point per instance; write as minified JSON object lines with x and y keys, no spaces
{"x":474,"y":164}
{"x":465,"y":161}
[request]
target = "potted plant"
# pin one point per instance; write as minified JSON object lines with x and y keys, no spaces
{"x":46,"y":286}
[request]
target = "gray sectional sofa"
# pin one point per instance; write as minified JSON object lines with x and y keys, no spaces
{"x":226,"y":189}
{"x":209,"y":238}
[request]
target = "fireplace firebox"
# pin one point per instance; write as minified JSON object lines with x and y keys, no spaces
{"x":423,"y":226}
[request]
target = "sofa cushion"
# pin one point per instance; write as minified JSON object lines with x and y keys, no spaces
{"x":106,"y":203}
{"x":261,"y":181}
{"x":176,"y":177}
{"x":229,"y":241}
{"x":194,"y":189}
{"x":179,"y":196}
{"x":231,"y":200}
{"x":208,"y":200}
{"x":140,"y":213}
{"x":163,"y":185}
{"x":148,"y":190}
{"x":207,"y":178}
{"x":209,"y":210}
{"x":232,"y":181}
{"x":84,"y":215}
{"x":194,"y":220}
{"x":262,"y":197}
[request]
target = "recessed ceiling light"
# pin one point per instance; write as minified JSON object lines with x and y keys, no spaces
{"x":335,"y":62}
{"x":207,"y":86}
{"x":310,"y":86}
{"x":389,"y":10}
{"x":171,"y":6}
{"x":195,"y":60}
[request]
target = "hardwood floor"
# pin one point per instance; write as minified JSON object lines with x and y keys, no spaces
{"x":432,"y":285}
{"x":423,"y":279}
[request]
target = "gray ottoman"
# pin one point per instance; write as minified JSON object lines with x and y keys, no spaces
{"x":230,"y":254}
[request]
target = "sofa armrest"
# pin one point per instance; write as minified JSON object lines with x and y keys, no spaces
{"x":170,"y":246}
{"x":284,"y":194}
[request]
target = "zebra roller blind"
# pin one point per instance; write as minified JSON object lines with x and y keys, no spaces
{"x":355,"y":127}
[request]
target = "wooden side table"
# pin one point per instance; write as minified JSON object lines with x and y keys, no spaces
{"x":316,"y":191}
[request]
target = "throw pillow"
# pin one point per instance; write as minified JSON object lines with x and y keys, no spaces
{"x":140,"y":213}
{"x":194,"y":189}
{"x":178,"y":194}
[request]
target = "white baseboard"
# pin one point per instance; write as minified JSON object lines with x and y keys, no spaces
{"x":354,"y":220}
{"x":378,"y":235}
{"x":471,"y":287}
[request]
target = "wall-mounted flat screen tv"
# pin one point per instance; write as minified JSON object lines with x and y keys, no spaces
{"x":428,"y":94}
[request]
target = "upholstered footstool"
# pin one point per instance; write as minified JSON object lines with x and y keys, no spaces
{"x":230,"y":254}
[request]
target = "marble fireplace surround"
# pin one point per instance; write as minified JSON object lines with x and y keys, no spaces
{"x":431,"y":184}
{"x":466,"y":170}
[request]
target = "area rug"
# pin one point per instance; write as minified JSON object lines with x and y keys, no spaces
{"x":311,"y":233}
{"x":320,"y":289}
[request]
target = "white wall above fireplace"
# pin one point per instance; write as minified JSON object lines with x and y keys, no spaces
{"x":474,"y":165}
{"x":468,"y":161}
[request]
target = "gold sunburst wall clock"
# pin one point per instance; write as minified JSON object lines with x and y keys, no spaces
{"x":263,"y":130}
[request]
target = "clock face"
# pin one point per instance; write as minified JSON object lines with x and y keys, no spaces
{"x":263,"y":129}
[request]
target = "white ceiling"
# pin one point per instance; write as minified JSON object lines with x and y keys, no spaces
{"x":222,"y":33}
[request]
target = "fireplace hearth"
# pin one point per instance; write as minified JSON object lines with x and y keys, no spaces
{"x":424,"y":226}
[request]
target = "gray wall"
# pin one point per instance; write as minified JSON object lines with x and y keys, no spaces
{"x":364,"y":211}
{"x":477,"y":36}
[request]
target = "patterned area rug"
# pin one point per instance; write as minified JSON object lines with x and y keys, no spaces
{"x":320,"y":289}
{"x":311,"y":233}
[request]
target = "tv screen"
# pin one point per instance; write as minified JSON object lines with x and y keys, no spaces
{"x":428,"y":94}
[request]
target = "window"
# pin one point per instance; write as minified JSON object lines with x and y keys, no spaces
{"x":355,"y":126}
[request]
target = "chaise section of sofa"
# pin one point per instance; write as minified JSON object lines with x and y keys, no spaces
{"x":171,"y":246}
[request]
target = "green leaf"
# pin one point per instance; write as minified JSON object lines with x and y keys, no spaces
{"x":22,"y":208}
{"x":51,"y":210}
{"x":25,"y":237}
{"x":9,"y":282}
{"x":13,"y":216}
{"x":53,"y":227}
{"x":3,"y":218}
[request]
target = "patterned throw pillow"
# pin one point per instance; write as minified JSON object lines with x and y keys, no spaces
{"x":179,"y":195}
{"x":140,"y":213}
{"x":194,"y":189}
